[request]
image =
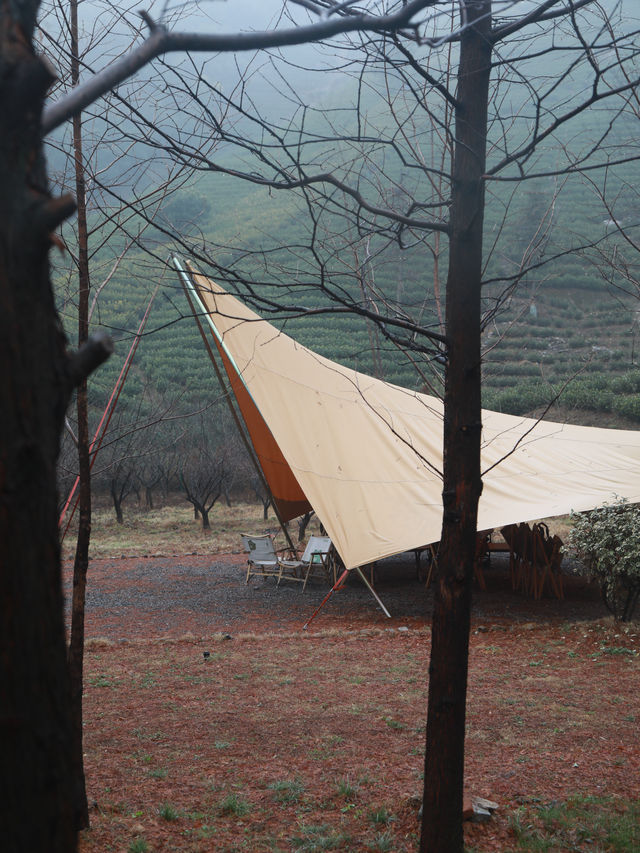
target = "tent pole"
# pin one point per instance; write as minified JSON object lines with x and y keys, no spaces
{"x":373,"y":592}
{"x":336,"y":586}
{"x":234,"y":414}
{"x":98,"y":438}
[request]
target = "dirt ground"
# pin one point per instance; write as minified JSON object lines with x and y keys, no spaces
{"x":281,"y":739}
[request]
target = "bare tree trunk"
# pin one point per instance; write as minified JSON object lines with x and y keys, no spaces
{"x":117,"y":501}
{"x":444,"y":760}
{"x":302,"y":525}
{"x":36,"y":803}
{"x":81,"y":563}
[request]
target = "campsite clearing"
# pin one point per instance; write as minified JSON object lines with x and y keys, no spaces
{"x":284,"y":740}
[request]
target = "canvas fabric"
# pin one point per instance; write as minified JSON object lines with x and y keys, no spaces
{"x":367,"y":455}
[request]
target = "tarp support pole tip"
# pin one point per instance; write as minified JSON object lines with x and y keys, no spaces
{"x":336,"y":586}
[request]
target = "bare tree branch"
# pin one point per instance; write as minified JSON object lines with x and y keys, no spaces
{"x":161,"y":41}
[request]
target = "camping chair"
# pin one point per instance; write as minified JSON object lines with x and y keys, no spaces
{"x":315,"y":556}
{"x":509,"y":534}
{"x":431,"y":552}
{"x":518,"y":538}
{"x":547,"y":558}
{"x":263,"y":557}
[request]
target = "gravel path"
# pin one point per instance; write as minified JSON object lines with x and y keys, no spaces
{"x":173,"y":596}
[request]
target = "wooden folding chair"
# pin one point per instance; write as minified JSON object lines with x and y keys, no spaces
{"x":510,"y":535}
{"x":547,"y":558}
{"x":263,"y":557}
{"x":518,"y":538}
{"x":315,"y":556}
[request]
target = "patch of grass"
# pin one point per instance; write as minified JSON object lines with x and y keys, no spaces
{"x":206,"y":831}
{"x":159,"y":773}
{"x":168,"y":812}
{"x":394,"y":724}
{"x":380,"y":816}
{"x":346,"y":788}
{"x":138,"y":845}
{"x":143,"y":734}
{"x":384,"y":842}
{"x":170,"y":529}
{"x":325,"y":749}
{"x":316,"y":838}
{"x":601,"y":823}
{"x":149,"y":679}
{"x":617,"y":650}
{"x":232,"y":804}
{"x":287,"y":790}
{"x":102,"y":681}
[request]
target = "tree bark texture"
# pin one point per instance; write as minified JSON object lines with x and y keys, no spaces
{"x":444,"y":759}
{"x":36,"y":812}
{"x":81,"y":561}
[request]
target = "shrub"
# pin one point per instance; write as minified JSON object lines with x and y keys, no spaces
{"x":628,"y":406}
{"x":607,"y":539}
{"x":628,"y":383}
{"x":523,"y":398}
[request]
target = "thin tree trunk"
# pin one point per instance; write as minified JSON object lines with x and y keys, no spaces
{"x":444,"y":760}
{"x":36,"y":803}
{"x":117,"y":502}
{"x":76,"y":642}
{"x":81,"y":563}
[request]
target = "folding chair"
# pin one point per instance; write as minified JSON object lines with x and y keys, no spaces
{"x":518,"y":538}
{"x":510,"y":536}
{"x":547,"y":558}
{"x":315,"y":556}
{"x":263,"y":557}
{"x":431,"y":552}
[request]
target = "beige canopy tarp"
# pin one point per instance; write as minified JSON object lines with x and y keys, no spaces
{"x":367,"y":455}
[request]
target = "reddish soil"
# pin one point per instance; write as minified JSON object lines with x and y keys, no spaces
{"x":287,"y":740}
